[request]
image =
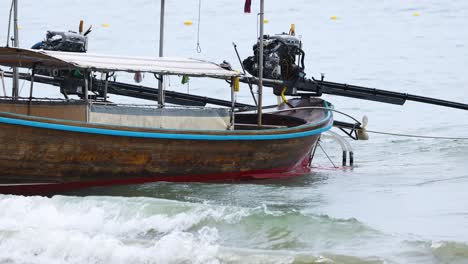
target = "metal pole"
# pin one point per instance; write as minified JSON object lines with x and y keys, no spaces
{"x":106,"y":87}
{"x":161,"y":54}
{"x":16,"y":45}
{"x":86,"y":83}
{"x":233,"y":104}
{"x":33,"y":73}
{"x":260,"y":65}
{"x":243,"y":69}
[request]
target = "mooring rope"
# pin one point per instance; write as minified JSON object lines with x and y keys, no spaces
{"x":22,"y":85}
{"x":413,"y":136}
{"x":374,"y":131}
{"x":326,"y":154}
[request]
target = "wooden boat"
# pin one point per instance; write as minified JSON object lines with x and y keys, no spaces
{"x":52,"y":146}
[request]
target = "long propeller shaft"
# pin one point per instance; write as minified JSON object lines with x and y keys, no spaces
{"x":318,"y":87}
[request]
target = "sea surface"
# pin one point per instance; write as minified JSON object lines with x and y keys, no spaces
{"x":405,"y":201}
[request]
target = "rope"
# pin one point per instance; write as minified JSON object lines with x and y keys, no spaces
{"x":199,"y":50}
{"x":2,"y":76}
{"x":413,"y":136}
{"x":9,"y":25}
{"x":22,"y":85}
{"x":372,"y":131}
{"x":320,"y":145}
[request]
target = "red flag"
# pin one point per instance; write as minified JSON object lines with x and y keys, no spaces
{"x":247,"y":5}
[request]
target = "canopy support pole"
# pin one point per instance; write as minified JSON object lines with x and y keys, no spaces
{"x":86,"y":82}
{"x":161,"y":54}
{"x":87,"y":86}
{"x":106,"y":86}
{"x":233,"y":105}
{"x":260,"y":65}
{"x":15,"y":91}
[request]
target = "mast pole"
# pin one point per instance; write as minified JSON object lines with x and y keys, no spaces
{"x":260,"y":65}
{"x":16,"y":45}
{"x":161,"y":54}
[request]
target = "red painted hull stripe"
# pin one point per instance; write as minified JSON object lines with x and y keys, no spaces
{"x":48,"y":188}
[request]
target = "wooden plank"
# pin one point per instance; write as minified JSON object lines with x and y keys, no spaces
{"x":34,"y":154}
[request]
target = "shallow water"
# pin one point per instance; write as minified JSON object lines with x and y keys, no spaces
{"x":404,"y":202}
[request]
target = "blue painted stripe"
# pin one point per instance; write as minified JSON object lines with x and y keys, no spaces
{"x":124,"y":133}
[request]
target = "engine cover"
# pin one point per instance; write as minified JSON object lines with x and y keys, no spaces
{"x":63,"y":41}
{"x":279,"y":53}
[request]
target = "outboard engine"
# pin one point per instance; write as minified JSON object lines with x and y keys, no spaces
{"x":280,"y":54}
{"x":69,"y":41}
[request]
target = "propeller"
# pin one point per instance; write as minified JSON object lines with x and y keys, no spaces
{"x":362,"y":132}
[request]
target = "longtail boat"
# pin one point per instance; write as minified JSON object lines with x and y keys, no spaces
{"x":54,"y":145}
{"x":57,"y":145}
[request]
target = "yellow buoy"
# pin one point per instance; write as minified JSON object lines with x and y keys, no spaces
{"x":416,"y":14}
{"x":188,"y":23}
{"x":333,"y":17}
{"x":292,"y":31}
{"x":105,"y":25}
{"x":265,"y":21}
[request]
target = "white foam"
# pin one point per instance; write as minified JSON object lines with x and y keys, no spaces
{"x":109,"y":230}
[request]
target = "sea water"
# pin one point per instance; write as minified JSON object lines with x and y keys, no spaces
{"x":405,"y":201}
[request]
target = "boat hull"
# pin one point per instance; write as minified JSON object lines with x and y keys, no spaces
{"x":48,"y":155}
{"x":55,"y":188}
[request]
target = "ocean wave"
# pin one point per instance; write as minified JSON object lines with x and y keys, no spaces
{"x":450,"y":251}
{"x":68,"y":246}
{"x":148,"y":230}
{"x":427,"y":251}
{"x":243,"y":255}
{"x":112,"y":215}
{"x":103,"y":230}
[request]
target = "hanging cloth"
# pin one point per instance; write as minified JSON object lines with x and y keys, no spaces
{"x":247,"y":5}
